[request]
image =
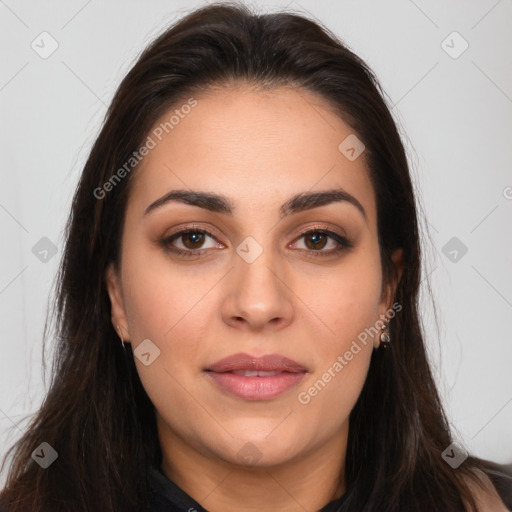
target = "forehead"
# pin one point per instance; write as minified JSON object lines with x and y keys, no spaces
{"x":254,"y":146}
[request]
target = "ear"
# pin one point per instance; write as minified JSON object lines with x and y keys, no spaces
{"x":119,"y":320}
{"x":389,"y":291}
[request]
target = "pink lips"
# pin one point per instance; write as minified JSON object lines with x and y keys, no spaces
{"x":256,"y":378}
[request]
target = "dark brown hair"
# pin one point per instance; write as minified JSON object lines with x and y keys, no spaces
{"x":97,"y":415}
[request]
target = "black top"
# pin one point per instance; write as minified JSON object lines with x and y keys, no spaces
{"x":168,"y":497}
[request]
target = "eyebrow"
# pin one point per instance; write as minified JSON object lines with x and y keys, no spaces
{"x":222,"y":204}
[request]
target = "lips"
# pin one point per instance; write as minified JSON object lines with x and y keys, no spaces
{"x":255,"y":378}
{"x":268,"y":363}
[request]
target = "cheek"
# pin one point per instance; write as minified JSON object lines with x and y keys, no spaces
{"x":173,"y":307}
{"x":160,"y":297}
{"x":328,"y":398}
{"x":343,"y":358}
{"x":349,"y":306}
{"x":347,"y":300}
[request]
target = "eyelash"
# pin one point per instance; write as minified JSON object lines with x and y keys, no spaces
{"x":343,"y":242}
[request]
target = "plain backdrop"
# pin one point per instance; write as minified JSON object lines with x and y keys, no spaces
{"x":453,"y":105}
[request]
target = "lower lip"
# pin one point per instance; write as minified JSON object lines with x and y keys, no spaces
{"x":256,"y":388}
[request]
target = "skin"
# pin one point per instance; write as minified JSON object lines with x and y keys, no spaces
{"x":486,"y":495}
{"x":258,"y":148}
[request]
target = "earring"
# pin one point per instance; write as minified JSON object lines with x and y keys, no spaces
{"x":120,"y":336}
{"x":385,"y":337}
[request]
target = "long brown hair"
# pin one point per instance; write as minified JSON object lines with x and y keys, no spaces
{"x":97,"y":415}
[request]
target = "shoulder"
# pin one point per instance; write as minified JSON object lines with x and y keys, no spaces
{"x":485,"y":494}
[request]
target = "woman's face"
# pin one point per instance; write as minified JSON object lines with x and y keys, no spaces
{"x":247,"y":280}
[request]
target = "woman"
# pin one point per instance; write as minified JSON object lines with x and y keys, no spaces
{"x":237,"y":301}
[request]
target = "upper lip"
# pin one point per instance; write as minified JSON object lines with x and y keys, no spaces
{"x":270,"y":362}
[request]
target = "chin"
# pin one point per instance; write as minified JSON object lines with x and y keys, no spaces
{"x":262,"y":450}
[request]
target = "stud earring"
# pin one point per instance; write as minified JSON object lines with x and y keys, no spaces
{"x":385,"y":337}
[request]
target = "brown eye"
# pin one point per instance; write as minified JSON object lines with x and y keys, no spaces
{"x":191,"y":242}
{"x":192,"y":239}
{"x":322,"y":242}
{"x":316,"y":240}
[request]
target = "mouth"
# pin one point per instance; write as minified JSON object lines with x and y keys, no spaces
{"x":255,"y":373}
{"x":255,"y":378}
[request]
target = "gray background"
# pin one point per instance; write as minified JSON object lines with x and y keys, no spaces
{"x":455,"y":114}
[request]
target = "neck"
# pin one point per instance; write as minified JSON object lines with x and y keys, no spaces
{"x":219,"y":485}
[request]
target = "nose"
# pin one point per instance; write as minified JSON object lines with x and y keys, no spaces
{"x":258,"y":297}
